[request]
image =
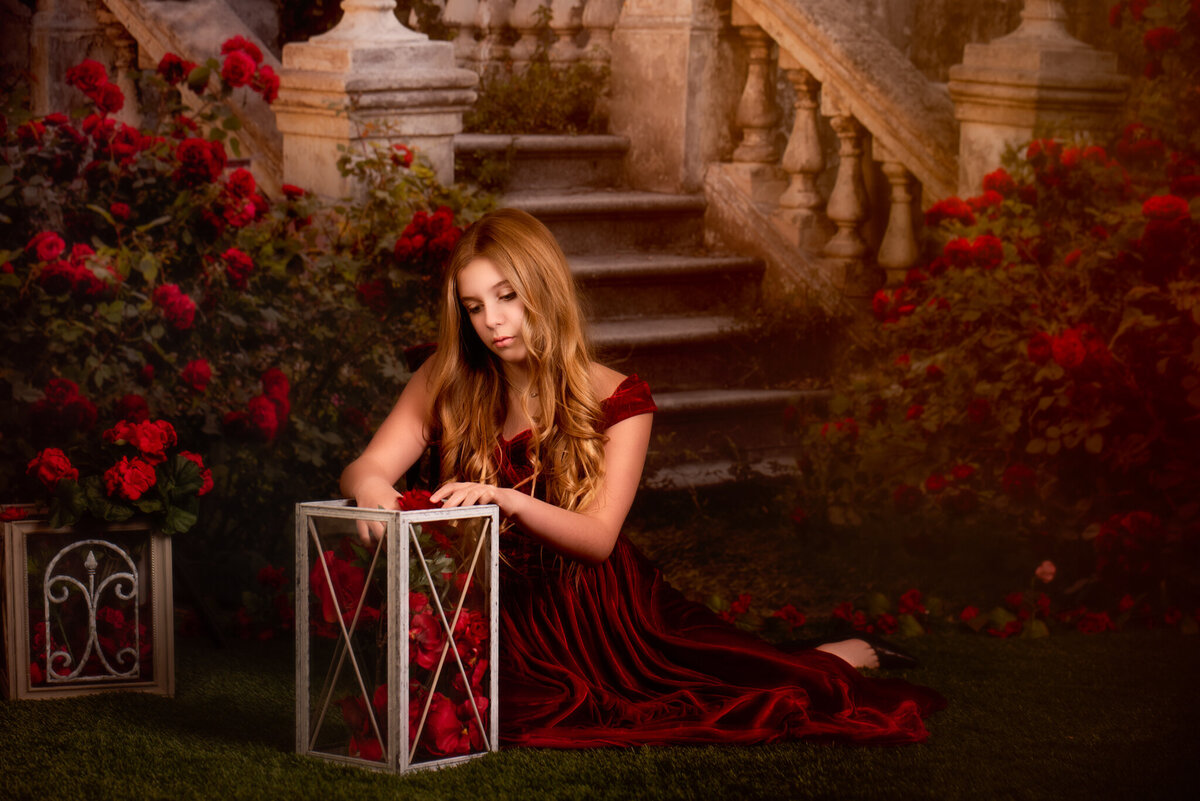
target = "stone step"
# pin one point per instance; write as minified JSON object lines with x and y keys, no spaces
{"x":540,"y":162}
{"x":616,"y":220}
{"x":693,"y":475}
{"x":742,"y":424}
{"x":651,"y":284}
{"x":677,"y":352}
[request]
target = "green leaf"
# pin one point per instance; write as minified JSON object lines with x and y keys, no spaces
{"x":1095,"y":443}
{"x":236,"y":146}
{"x":878,"y":604}
{"x":179,"y":520}
{"x":1036,"y":445}
{"x":909,"y":626}
{"x":1035,"y":630}
{"x":232,"y":123}
{"x":198,"y":79}
{"x":148,"y":267}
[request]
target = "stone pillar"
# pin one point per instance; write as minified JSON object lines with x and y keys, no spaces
{"x":847,"y":207}
{"x":898,"y":251}
{"x":64,"y":33}
{"x":369,"y":80}
{"x":672,"y":91}
{"x":1037,"y":78}
{"x":800,"y":213}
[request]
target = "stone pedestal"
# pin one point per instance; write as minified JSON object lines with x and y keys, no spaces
{"x":1036,"y":81}
{"x":369,"y":80}
{"x":673,"y":91}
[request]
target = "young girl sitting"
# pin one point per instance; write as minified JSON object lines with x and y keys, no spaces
{"x":596,"y":648}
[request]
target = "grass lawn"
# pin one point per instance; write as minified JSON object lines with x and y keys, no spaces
{"x":1067,"y":717}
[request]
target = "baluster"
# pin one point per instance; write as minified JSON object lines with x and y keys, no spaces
{"x":847,"y":207}
{"x":898,"y":251}
{"x":756,"y":113}
{"x":524,"y":18}
{"x":459,"y":16}
{"x":599,"y":19}
{"x":566,"y":23}
{"x":804,"y":159}
{"x":491,"y":18}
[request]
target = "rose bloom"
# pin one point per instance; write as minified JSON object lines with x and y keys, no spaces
{"x":120,"y":211}
{"x":47,"y":245}
{"x":109,"y":98}
{"x":1018,"y":479}
{"x":1069,"y":349}
{"x":1166,"y":207}
{"x":244,"y":45}
{"x":173,"y":69}
{"x":958,"y":252}
{"x":935,"y":483}
{"x":196,"y":374}
{"x":206,"y":478}
{"x":238,"y":267}
{"x":178,"y":308}
{"x":790,"y":615}
{"x":999,"y":181}
{"x":87,"y":76}
{"x":1156,"y":40}
{"x":292,"y":192}
{"x":914,"y":412}
{"x":263,"y":416}
{"x":1045,"y":571}
{"x":961,"y":472}
{"x":200,"y":161}
{"x":238,"y":69}
{"x":240,"y":183}
{"x":275,"y":384}
{"x":910,"y":603}
{"x":129,"y":478}
{"x":150,"y":437}
{"x":51,"y":466}
{"x":987,"y":251}
{"x":952,"y":208}
{"x":266,"y":83}
{"x":133,"y":407}
{"x":968,"y":614}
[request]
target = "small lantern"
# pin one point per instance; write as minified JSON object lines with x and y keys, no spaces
{"x":397,"y":642}
{"x":87,"y":608}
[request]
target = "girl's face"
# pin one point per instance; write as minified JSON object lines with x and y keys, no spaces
{"x":495,"y":311}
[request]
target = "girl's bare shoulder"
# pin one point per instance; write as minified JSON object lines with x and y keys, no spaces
{"x":605,"y":380}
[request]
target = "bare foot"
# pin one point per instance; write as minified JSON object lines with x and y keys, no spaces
{"x":857,"y":652}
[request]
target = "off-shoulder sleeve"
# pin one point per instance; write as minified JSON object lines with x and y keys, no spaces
{"x":630,"y":398}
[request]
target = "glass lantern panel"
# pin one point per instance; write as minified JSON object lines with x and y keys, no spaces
{"x":348,"y":713}
{"x":90,"y":608}
{"x":449,"y":669}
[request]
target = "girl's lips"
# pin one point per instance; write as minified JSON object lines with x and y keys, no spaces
{"x":500,"y":342}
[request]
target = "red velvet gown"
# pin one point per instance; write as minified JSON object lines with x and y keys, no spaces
{"x":611,"y":655}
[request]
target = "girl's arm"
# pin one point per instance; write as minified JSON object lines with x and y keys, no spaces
{"x":397,"y":445}
{"x":588,"y":535}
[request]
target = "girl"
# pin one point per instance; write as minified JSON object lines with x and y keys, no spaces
{"x":596,"y":648}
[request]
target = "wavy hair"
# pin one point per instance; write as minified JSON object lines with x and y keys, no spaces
{"x":468,"y":390}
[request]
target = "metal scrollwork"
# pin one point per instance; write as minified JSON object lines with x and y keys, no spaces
{"x":57,"y":589}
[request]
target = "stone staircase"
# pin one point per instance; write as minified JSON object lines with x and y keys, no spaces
{"x":661,"y":305}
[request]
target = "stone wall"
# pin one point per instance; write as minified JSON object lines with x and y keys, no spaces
{"x":14,"y":41}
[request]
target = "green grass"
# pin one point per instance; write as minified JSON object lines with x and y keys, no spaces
{"x":1067,"y":717}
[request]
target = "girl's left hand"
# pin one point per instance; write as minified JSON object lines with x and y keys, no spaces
{"x":468,"y":493}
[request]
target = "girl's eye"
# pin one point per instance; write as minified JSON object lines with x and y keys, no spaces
{"x":473,"y":309}
{"x":509,"y":296}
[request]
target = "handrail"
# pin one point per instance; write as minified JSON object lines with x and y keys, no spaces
{"x":906,"y":113}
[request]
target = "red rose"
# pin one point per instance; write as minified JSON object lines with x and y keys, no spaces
{"x":129,"y":478}
{"x":348,"y":581}
{"x":238,"y":267}
{"x":178,"y":308}
{"x":51,"y":466}
{"x":150,"y":437}
{"x":1167,"y":208}
{"x":240,"y":44}
{"x":968,"y":614}
{"x":109,"y":98}
{"x":275,"y":383}
{"x":205,"y":474}
{"x":47,"y":245}
{"x":173,"y":69}
{"x":416,"y":499}
{"x":978,"y":410}
{"x":790,"y":615}
{"x":373,"y":295}
{"x":910,"y":603}
{"x":1040,"y":348}
{"x":914,"y":412}
{"x":403,"y":157}
{"x":952,"y":208}
{"x":1095,"y":623}
{"x":887,"y":624}
{"x":1157,"y":40}
{"x":292,"y":192}
{"x":935,"y":483}
{"x":87,"y":76}
{"x":240,"y":183}
{"x":1069,"y":349}
{"x":120,"y":211}
{"x":196,"y":374}
{"x":271,"y":578}
{"x":962,"y":472}
{"x":133,"y":408}
{"x":266,"y":83}
{"x":988,"y":200}
{"x":1019,"y":479}
{"x":263,"y":416}
{"x":200,"y":161}
{"x":146,"y":374}
{"x":238,"y":69}
{"x":999,"y":181}
{"x":958,"y":252}
{"x":987,"y":251}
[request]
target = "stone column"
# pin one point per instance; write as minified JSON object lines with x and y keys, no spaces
{"x":672,"y":91}
{"x":800,"y":205}
{"x":64,"y":33}
{"x":898,"y":251}
{"x":1037,"y":78}
{"x":369,"y":80}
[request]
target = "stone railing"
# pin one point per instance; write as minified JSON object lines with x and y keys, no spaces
{"x":882,"y":111}
{"x":484,"y":30}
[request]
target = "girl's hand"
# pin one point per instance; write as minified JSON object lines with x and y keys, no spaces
{"x":468,"y":493}
{"x":380,"y":497}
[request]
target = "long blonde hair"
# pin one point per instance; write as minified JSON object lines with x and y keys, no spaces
{"x":468,"y":391}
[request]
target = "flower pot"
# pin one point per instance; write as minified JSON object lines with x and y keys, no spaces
{"x":396,"y":644}
{"x":86,"y":608}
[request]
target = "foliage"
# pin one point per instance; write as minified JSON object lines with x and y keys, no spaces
{"x":541,"y":97}
{"x":1042,"y":369}
{"x":141,"y":268}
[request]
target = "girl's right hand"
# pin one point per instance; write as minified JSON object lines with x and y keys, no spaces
{"x":371,"y":531}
